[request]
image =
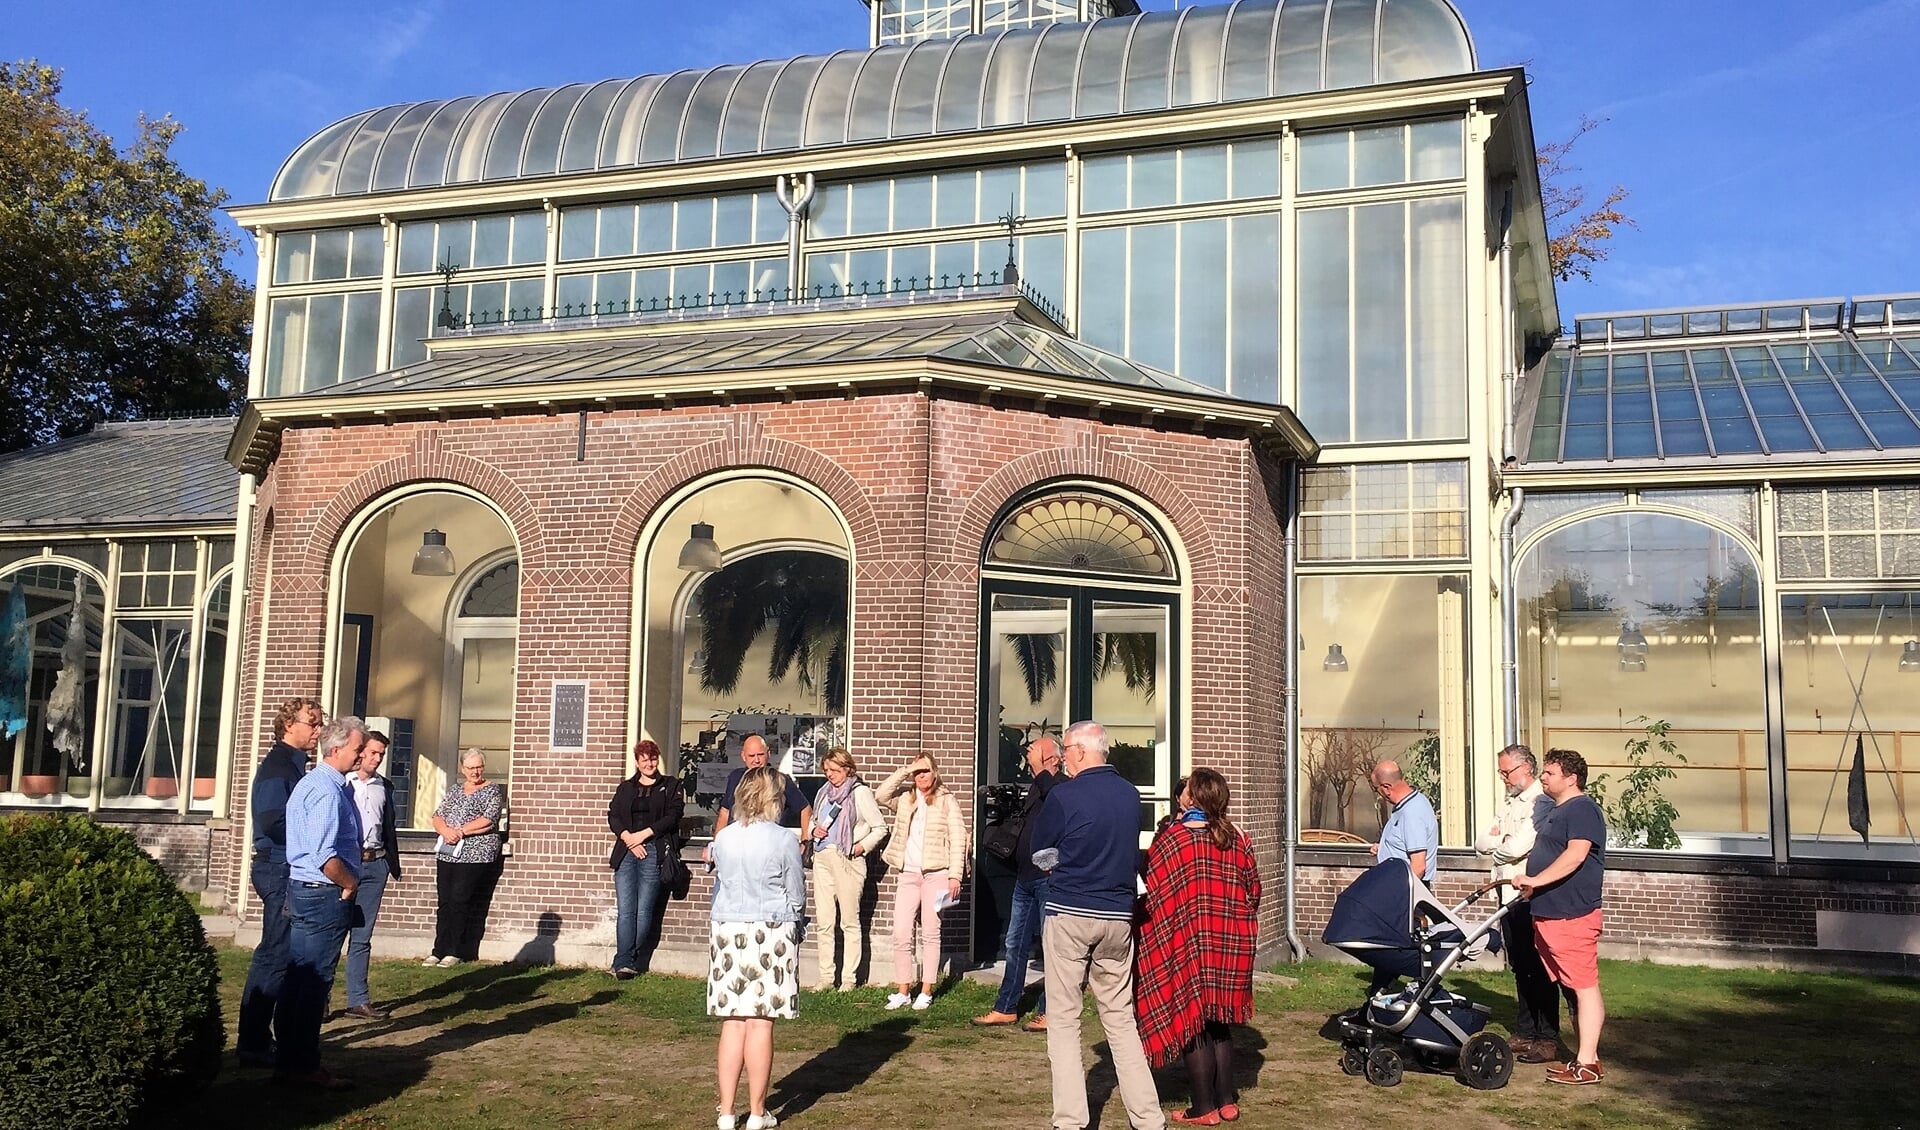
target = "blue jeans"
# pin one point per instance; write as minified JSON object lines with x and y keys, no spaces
{"x":1024,"y":923}
{"x":321,"y":919}
{"x":268,"y":971}
{"x":366,"y":905}
{"x":636,"y":891}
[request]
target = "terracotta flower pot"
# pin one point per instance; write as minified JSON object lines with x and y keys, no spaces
{"x":38,"y":784}
{"x":203,"y":788}
{"x":163,"y":788}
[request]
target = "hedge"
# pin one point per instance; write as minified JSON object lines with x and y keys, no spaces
{"x":109,"y":992}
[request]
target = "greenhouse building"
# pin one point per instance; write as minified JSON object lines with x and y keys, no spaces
{"x":1196,"y":370}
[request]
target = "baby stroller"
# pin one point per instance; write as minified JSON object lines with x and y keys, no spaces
{"x":1390,"y":920}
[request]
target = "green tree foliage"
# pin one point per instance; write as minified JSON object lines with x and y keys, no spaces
{"x":1641,"y":816}
{"x":800,"y":598}
{"x":109,"y":992}
{"x":115,"y":299}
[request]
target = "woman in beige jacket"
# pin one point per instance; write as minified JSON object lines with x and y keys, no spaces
{"x":847,"y":827}
{"x":929,"y":850}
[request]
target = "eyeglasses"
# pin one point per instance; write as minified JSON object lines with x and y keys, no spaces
{"x":1507,"y":772}
{"x":921,"y":772}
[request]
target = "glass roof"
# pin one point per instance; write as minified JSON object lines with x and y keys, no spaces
{"x":1124,"y":64}
{"x":1734,"y":398}
{"x":999,"y":340}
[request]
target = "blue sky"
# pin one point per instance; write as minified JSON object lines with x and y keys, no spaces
{"x":1769,"y":145}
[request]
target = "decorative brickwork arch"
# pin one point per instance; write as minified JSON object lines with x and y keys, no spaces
{"x":1093,"y":462}
{"x":744,"y":448}
{"x":424,"y":465}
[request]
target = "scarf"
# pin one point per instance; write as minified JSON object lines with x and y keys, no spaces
{"x":840,"y":833}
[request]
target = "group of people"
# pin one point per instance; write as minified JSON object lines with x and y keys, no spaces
{"x":324,"y":852}
{"x":1169,"y":971}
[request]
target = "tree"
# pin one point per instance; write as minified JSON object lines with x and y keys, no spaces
{"x":797,"y":595}
{"x":118,"y":303}
{"x":1577,"y":235}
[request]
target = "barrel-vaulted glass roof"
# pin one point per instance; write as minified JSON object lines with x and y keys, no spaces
{"x":1727,"y":386}
{"x":1120,"y":65}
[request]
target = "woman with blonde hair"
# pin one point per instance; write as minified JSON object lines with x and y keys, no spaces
{"x":1194,"y":973}
{"x":847,"y":826}
{"x":929,"y":850}
{"x":759,"y":891}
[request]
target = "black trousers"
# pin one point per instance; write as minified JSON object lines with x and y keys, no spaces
{"x":466,"y":894}
{"x":1537,"y":996}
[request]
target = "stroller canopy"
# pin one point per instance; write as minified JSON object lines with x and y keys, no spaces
{"x":1375,"y":912}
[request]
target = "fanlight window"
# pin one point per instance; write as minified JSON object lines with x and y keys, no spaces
{"x":496,"y":593}
{"x":1083,"y":531}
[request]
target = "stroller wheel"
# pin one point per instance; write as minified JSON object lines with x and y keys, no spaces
{"x":1353,"y":1061}
{"x":1486,"y":1062}
{"x":1384,"y":1068}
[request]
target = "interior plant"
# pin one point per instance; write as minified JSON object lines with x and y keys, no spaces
{"x":1640,"y":815}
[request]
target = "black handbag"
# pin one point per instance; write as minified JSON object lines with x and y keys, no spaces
{"x":1003,"y":839}
{"x":674,"y":875}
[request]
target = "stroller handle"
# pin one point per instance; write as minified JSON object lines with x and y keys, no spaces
{"x":1481,"y":891}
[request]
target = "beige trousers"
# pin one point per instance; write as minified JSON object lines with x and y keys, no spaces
{"x":1099,"y":952}
{"x":838,"y":883}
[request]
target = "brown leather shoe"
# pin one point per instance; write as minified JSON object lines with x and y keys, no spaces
{"x":1535,"y":1051}
{"x":995,"y":1019}
{"x":367,"y":1012}
{"x":1577,"y":1074}
{"x":1037,"y":1024}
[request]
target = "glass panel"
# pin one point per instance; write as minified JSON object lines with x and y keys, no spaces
{"x":529,"y":239}
{"x":1203,"y":294}
{"x":787,"y":104}
{"x":1056,"y":64}
{"x":959,"y":105}
{"x":1249,"y":51}
{"x":827,"y":112}
{"x":329,"y":254}
{"x":490,"y":239}
{"x":1203,"y":174}
{"x":873,"y":94}
{"x":1851,"y":723}
{"x":1103,"y":309}
{"x":1148,"y":62}
{"x":1324,"y":161}
{"x":1437,"y":153}
{"x":1079,"y":531}
{"x":53,"y":753}
{"x":326,"y":317}
{"x":1382,"y":662}
{"x":1099,"y":72}
{"x":1027,"y":663}
{"x":913,"y":101}
{"x":510,"y":136}
{"x":1350,"y":44}
{"x":746,"y":109}
{"x":1103,"y":184}
{"x":1438,"y":330}
{"x":1154,"y":179}
{"x":1296,"y":48}
{"x":396,"y":149}
{"x":548,"y":131}
{"x":1379,"y":156}
{"x":1256,"y":169}
{"x":1196,"y":61}
{"x":1130,"y":665}
{"x":1254,"y":295}
{"x":1150,"y":333}
{"x":148,"y":715}
{"x":1380,"y":322}
{"x":1324,"y":313}
{"x":213,"y":671}
{"x":1631,"y":620}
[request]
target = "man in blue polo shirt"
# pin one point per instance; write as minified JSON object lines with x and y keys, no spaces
{"x":1088,"y":835}
{"x":323,"y":871}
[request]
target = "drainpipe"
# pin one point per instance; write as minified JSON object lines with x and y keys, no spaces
{"x":796,"y":207}
{"x":1291,"y":697}
{"x":1517,"y":496}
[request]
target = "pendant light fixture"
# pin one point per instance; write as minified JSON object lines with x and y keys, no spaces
{"x":1336,"y":659}
{"x":1633,"y":647}
{"x":433,"y":558}
{"x":701,"y":554}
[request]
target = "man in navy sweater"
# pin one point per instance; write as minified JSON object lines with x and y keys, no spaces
{"x":296,"y":730}
{"x":1088,"y":832}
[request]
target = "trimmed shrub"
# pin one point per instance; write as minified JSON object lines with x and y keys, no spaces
{"x":109,"y":992}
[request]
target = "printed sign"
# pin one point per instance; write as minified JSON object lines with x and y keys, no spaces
{"x":568,"y":733}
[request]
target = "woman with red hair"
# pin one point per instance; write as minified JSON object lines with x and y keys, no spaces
{"x":644,"y":815}
{"x":1194,"y":976}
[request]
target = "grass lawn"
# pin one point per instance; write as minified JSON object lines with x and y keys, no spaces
{"x":518,"y":1048}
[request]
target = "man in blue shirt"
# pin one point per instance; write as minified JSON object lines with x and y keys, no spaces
{"x":1411,"y":833}
{"x":1026,"y":920}
{"x":323,"y":871}
{"x":1089,"y":828}
{"x":796,"y":812}
{"x":296,"y":727}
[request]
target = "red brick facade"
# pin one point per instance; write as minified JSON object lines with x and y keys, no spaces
{"x":919,"y":479}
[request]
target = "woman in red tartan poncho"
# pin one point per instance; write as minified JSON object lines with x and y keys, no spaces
{"x":1194,"y":975}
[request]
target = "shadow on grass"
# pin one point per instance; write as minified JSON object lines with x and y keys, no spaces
{"x":840,"y":1068}
{"x":246,"y":1099}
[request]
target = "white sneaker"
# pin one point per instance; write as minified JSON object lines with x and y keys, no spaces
{"x":431,"y":962}
{"x":449,"y":961}
{"x":762,"y":1121}
{"x":923,"y":1002}
{"x":898,"y":1001}
{"x":723,"y":1121}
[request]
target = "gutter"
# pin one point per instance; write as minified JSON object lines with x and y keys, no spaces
{"x":1291,"y":697}
{"x":1517,"y":496}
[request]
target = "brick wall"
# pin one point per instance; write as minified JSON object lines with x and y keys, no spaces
{"x":181,"y":847}
{"x":919,"y":479}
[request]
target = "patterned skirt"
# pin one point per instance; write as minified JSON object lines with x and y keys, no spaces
{"x":753,"y":970}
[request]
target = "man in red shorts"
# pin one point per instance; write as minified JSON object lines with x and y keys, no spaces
{"x":1562,"y":884}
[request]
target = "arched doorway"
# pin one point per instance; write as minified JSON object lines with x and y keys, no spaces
{"x":425,"y":638}
{"x":1080,"y":618}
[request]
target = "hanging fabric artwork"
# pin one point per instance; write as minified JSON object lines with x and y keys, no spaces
{"x":16,"y":660}
{"x":66,"y":706}
{"x":1858,"y":817}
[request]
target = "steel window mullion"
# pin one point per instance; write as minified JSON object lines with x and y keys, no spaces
{"x":1845,"y":399}
{"x":1653,"y":402}
{"x":1700,"y":402}
{"x":1759,"y":433}
{"x":1875,"y":370}
{"x":1781,"y":372}
{"x":1566,"y":403}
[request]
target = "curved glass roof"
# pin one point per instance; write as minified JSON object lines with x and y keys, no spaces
{"x":1121,"y":65}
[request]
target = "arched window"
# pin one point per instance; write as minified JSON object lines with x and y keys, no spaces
{"x":495,"y":593}
{"x":63,"y":609}
{"x":1079,"y":530}
{"x":1638,"y":618}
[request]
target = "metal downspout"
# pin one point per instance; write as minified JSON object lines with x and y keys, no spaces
{"x":1516,"y":496}
{"x":1291,"y":697}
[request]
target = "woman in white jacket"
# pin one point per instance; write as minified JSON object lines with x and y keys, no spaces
{"x":929,"y":850}
{"x":847,"y":826}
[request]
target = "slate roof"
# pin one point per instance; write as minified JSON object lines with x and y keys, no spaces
{"x":138,"y":473}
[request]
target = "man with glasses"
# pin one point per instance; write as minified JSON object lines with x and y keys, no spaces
{"x":1087,"y":837}
{"x":1029,"y":895}
{"x":296,"y":730}
{"x":1536,"y":1028}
